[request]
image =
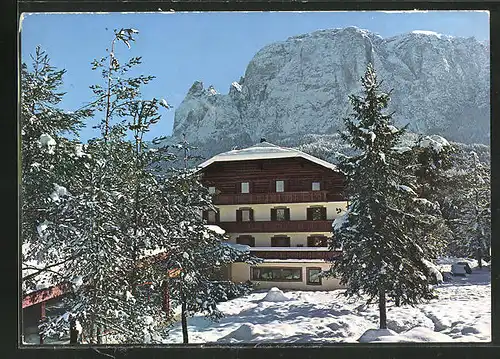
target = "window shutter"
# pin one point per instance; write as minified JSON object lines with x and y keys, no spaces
{"x":238,"y":215}
{"x":273,"y":214}
{"x":217,"y":216}
{"x":323,"y":213}
{"x":205,"y":215}
{"x":287,"y":214}
{"x":251,"y":214}
{"x":309,"y":214}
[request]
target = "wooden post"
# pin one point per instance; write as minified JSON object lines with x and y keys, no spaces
{"x":73,"y":333}
{"x":382,"y":309}
{"x":42,"y":318}
{"x":166,"y":298}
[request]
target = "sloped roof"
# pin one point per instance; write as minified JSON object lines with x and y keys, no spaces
{"x":265,"y":150}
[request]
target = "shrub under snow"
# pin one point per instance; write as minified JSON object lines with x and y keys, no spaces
{"x":275,"y":295}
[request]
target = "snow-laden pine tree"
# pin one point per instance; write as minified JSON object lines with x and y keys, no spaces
{"x":48,"y":159}
{"x":199,"y":252}
{"x":383,"y":250}
{"x":115,"y":216}
{"x":472,"y":209}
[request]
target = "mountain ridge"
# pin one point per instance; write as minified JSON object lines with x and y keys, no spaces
{"x":300,"y":86}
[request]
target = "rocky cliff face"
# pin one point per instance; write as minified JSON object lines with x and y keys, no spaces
{"x":300,"y":86}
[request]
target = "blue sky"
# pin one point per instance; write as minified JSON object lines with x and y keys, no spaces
{"x":212,"y":47}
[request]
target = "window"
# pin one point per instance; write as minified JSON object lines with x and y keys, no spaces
{"x":245,"y":187}
{"x":317,"y":241}
{"x":316,"y":214}
{"x":212,"y":217}
{"x":280,"y":186}
{"x":277,"y":274}
{"x":211,"y":190}
{"x":313,"y":276}
{"x":244,"y":215}
{"x":246,"y":240}
{"x":280,"y":241}
{"x":280,"y":214}
{"x":316,"y":186}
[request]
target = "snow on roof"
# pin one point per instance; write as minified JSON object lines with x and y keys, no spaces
{"x":265,"y":150}
{"x":436,"y":142}
{"x":215,"y":228}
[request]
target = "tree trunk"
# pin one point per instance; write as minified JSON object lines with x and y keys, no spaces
{"x":99,"y":334}
{"x":184,"y":322}
{"x":479,"y":259}
{"x":73,"y":333}
{"x":382,"y":309}
{"x":398,"y":301}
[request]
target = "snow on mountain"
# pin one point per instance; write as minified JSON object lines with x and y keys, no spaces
{"x":300,"y":87}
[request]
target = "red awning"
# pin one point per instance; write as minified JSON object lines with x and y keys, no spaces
{"x":43,"y":295}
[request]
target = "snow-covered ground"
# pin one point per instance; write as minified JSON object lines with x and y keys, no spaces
{"x":461,"y":313}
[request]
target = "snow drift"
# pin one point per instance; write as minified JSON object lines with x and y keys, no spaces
{"x":275,"y":295}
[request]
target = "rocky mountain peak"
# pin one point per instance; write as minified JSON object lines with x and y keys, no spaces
{"x":301,"y":85}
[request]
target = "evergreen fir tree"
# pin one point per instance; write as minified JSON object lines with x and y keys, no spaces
{"x":382,"y":251}
{"x":115,"y":214}
{"x":199,"y":254}
{"x":472,"y":213}
{"x":47,"y":162}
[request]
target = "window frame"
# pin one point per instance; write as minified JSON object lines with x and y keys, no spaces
{"x":276,"y":186}
{"x":249,"y":213}
{"x":281,"y":279}
{"x":274,"y":214}
{"x":285,"y":238}
{"x":248,"y":187}
{"x":319,"y":186}
{"x":313,"y":237}
{"x":239,"y":214}
{"x":308,"y":282}
{"x":216,"y":217}
{"x":310,"y":213}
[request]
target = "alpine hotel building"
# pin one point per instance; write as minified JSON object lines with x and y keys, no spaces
{"x":281,"y":202}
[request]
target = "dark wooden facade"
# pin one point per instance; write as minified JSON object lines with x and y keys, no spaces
{"x":297,"y":173}
{"x":326,"y":255}
{"x":276,"y":226}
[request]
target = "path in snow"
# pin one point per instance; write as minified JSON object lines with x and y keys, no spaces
{"x":462,"y":312}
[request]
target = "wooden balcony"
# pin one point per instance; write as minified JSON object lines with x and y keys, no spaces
{"x":289,"y":253}
{"x":277,"y":197}
{"x":276,"y":226}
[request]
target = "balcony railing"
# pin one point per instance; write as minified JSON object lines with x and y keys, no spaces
{"x":276,"y":226}
{"x":289,"y":253}
{"x":278,"y":197}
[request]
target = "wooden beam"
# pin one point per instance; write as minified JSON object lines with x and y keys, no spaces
{"x":43,"y":295}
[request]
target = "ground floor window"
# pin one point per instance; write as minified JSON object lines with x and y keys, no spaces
{"x":277,"y":274}
{"x":313,"y":276}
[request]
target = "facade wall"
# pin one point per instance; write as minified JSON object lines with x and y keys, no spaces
{"x":264,"y":239}
{"x":298,"y":211}
{"x":240,"y":272}
{"x":298,"y":174}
